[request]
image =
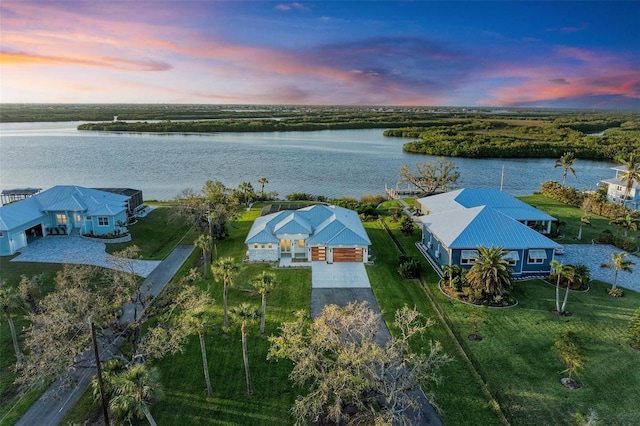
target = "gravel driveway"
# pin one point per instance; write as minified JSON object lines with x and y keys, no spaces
{"x":75,"y":250}
{"x":593,"y":255}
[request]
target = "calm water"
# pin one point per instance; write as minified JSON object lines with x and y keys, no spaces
{"x":331,"y":162}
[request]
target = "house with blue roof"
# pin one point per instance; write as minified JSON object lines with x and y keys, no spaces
{"x":61,"y":210}
{"x":314,"y":233}
{"x":456,"y":223}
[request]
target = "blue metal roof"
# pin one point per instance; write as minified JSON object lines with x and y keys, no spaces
{"x":475,"y":197}
{"x":326,"y":225}
{"x":470,"y":228}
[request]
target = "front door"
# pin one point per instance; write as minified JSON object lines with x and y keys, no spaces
{"x":285,"y":246}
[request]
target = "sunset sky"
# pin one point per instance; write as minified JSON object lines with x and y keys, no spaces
{"x":454,"y":53}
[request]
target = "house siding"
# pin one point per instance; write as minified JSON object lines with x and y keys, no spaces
{"x":263,"y":254}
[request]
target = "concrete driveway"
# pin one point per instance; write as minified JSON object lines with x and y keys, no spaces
{"x":339,"y":275}
{"x":75,"y":250}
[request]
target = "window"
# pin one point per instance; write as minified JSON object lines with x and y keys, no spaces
{"x":537,"y":256}
{"x":61,"y":218}
{"x":255,"y":245}
{"x":78,"y":218}
{"x":468,"y":257}
{"x":262,"y":246}
{"x":300,"y":243}
{"x":512,"y":258}
{"x":103,"y":220}
{"x":270,"y":245}
{"x":618,"y":188}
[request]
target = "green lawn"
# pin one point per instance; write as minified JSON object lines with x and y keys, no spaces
{"x":153,"y":234}
{"x":460,"y":396}
{"x":514,"y":359}
{"x":157,"y":234}
{"x":571,"y":217}
{"x":13,"y":402}
{"x":523,"y":372}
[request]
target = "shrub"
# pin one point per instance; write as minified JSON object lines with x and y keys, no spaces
{"x":633,"y":332}
{"x":409,"y":266}
{"x":373,"y":199}
{"x":615,"y":292}
{"x":407,"y":226}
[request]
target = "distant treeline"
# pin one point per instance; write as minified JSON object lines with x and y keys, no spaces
{"x":485,"y":138}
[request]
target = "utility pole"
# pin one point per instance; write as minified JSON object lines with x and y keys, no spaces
{"x":99,"y":368}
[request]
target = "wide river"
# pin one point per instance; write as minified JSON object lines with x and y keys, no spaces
{"x":330,"y":162}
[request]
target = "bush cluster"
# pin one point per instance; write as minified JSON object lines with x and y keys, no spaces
{"x":409,"y":266}
{"x":624,"y":243}
{"x":590,"y":202}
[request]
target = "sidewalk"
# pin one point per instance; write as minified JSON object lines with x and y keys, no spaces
{"x":57,"y":400}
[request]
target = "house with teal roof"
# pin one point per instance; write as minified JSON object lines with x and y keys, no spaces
{"x":314,"y":233}
{"x":456,"y":223}
{"x":62,"y":210}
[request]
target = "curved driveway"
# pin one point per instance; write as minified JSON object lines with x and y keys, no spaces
{"x":76,"y":250}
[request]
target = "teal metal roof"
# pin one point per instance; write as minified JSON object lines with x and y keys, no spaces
{"x":70,"y":198}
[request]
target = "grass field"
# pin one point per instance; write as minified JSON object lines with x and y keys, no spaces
{"x":523,"y":372}
{"x":514,"y":362}
{"x":571,"y":217}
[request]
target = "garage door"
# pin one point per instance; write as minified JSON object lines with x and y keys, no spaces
{"x":347,"y":254}
{"x":319,"y":253}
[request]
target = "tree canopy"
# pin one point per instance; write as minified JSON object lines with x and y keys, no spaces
{"x":349,"y":376}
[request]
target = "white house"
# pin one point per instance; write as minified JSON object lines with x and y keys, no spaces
{"x":616,"y":188}
{"x":316,"y":233}
{"x":61,"y":210}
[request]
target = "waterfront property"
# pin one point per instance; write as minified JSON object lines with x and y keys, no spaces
{"x":62,"y":210}
{"x":315,"y":233}
{"x":616,"y":190}
{"x":455,"y":223}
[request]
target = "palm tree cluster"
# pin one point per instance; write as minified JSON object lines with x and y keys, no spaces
{"x":489,"y":277}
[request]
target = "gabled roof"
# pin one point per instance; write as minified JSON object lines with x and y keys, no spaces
{"x":475,"y":197}
{"x":470,"y":228}
{"x":292,"y":224}
{"x":323,"y":224}
{"x":72,"y":198}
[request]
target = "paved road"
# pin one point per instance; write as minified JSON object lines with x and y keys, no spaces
{"x":57,"y":400}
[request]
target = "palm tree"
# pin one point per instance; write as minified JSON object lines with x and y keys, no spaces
{"x":225,"y":270}
{"x":628,"y":223}
{"x":135,"y":389}
{"x":204,"y":243}
{"x":618,"y":264}
{"x":490,"y":272}
{"x":584,"y":220}
{"x":562,"y":272}
{"x":246,"y":189}
{"x":263,"y":181}
{"x":452,"y":273}
{"x":566,"y":162}
{"x":195,"y":318}
{"x":631,"y":175}
{"x":245,"y":312}
{"x":12,"y":303}
{"x":263,"y":283}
